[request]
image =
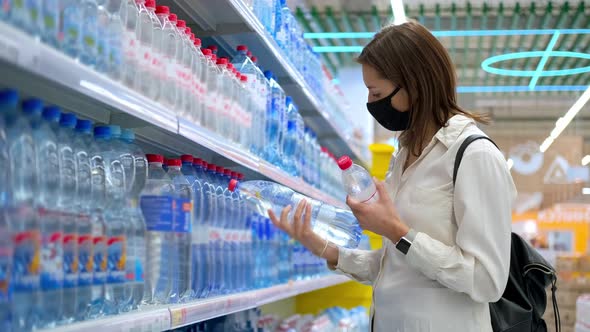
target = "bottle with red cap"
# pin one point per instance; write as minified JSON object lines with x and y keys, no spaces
{"x":169,"y":86}
{"x":358,"y":183}
{"x":130,"y":44}
{"x":336,"y":225}
{"x":181,"y":69}
{"x":225,"y":94}
{"x":198,"y":62}
{"x":214,"y":75}
{"x":187,"y":72}
{"x":157,"y":204}
{"x":183,"y":220}
{"x":145,"y":36}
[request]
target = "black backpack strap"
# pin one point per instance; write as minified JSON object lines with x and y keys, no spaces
{"x":464,"y":145}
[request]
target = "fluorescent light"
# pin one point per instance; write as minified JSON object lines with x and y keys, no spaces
{"x":586,"y":160}
{"x":510,"y":163}
{"x":451,"y":33}
{"x":519,"y":88}
{"x":338,"y":49}
{"x":566,"y":119}
{"x":544,"y":60}
{"x":487,"y":64}
{"x":585,"y":191}
{"x":399,"y":13}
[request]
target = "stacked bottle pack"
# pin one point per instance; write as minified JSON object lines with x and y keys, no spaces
{"x":91,"y":226}
{"x":149,"y":49}
{"x":334,"y":319}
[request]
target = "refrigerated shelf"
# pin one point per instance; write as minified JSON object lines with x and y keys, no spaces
{"x":38,"y":69}
{"x":168,"y":317}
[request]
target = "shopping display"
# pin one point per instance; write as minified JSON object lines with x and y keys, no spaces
{"x":333,"y":319}
{"x":334,"y":224}
{"x":100,"y":228}
{"x":149,"y":49}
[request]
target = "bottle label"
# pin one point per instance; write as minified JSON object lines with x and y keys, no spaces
{"x":117,"y":257}
{"x":100,"y":260}
{"x":70,"y":243}
{"x":183,"y":220}
{"x":85,"y":259}
{"x":52,"y":271}
{"x":214,"y":234}
{"x":145,"y":56}
{"x":158,"y":212}
{"x":130,"y":46}
{"x":27,"y":261}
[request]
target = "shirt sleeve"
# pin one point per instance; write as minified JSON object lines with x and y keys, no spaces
{"x":360,"y":265}
{"x":478,"y":264}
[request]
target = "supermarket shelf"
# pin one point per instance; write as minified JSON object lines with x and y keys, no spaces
{"x":165,"y":318}
{"x":49,"y":74}
{"x":200,"y":311}
{"x":230,"y":23}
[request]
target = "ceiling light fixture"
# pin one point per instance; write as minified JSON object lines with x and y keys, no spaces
{"x":399,"y":13}
{"x":544,"y":60}
{"x":586,"y":160}
{"x":564,"y":121}
{"x":585,"y":191}
{"x":451,"y":33}
{"x":510,"y":163}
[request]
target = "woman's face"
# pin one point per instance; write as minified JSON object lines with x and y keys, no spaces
{"x":380,"y":87}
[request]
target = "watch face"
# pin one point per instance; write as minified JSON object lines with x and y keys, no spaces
{"x":403,"y":245}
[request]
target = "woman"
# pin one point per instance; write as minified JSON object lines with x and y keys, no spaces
{"x":446,"y":249}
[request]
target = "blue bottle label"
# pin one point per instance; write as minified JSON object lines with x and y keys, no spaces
{"x":52,"y":273}
{"x":183,"y":211}
{"x":117,"y":252}
{"x":85,"y":259}
{"x":70,"y":243}
{"x":27,"y":261}
{"x":158,"y":212}
{"x":100,"y":260}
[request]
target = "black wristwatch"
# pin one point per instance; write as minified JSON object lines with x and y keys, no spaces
{"x":405,"y":242}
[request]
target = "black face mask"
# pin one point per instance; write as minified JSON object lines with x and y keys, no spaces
{"x":387,"y":116}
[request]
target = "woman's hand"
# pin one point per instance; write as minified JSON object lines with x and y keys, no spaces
{"x":300,"y":230}
{"x":379,"y":217}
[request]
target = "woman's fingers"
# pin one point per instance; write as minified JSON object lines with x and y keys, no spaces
{"x":307,"y":221}
{"x":283,"y":222}
{"x":297,"y":218}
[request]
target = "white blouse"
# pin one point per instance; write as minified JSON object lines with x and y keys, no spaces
{"x":460,"y":257}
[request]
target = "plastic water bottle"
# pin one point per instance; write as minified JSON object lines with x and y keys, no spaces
{"x":20,"y":215}
{"x":358,"y":183}
{"x":156,"y":201}
{"x":69,"y":34}
{"x":50,"y":22}
{"x":67,"y":206}
{"x":130,"y":14}
{"x":214,"y":89}
{"x":198,"y":80}
{"x":158,"y":65}
{"x":6,"y":244}
{"x":25,"y":15}
{"x":115,"y":38}
{"x":334,"y":224}
{"x":89,"y":40}
{"x":45,"y":192}
{"x":208,"y":205}
{"x":183,"y":216}
{"x":171,"y":86}
{"x":181,"y":69}
{"x":187,"y":69}
{"x":145,"y":36}
{"x":136,"y":234}
{"x":98,"y":206}
{"x":117,"y":293}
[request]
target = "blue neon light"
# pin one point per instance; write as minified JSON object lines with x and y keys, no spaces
{"x":543,"y":61}
{"x":451,"y":33}
{"x":519,"y":88}
{"x":487,"y":64}
{"x":338,"y":49}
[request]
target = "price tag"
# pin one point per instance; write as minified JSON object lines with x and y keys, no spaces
{"x":178,"y":316}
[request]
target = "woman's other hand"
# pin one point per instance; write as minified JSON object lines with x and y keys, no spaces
{"x":379,"y":217}
{"x":300,"y":229}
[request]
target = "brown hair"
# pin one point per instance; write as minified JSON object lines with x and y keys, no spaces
{"x":411,"y":57}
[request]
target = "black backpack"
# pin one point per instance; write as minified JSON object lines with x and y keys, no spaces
{"x":523,"y":303}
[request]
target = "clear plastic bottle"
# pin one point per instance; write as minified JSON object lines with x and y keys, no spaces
{"x":188,"y":170}
{"x":165,"y":44}
{"x":25,"y":15}
{"x":136,"y":236}
{"x":6,"y":244}
{"x":158,"y":65}
{"x":117,"y":14}
{"x":156,"y":201}
{"x":225,"y":93}
{"x":20,"y":215}
{"x":98,"y":206}
{"x":83,"y":216}
{"x":70,"y":27}
{"x":214,"y":90}
{"x":247,"y":106}
{"x":334,"y":224}
{"x":47,"y":171}
{"x":67,"y":207}
{"x":145,"y":36}
{"x":102,"y":37}
{"x":187,"y":71}
{"x":181,"y":68}
{"x":89,"y":40}
{"x":199,"y":82}
{"x":130,"y":14}
{"x":50,"y":22}
{"x":274,"y":116}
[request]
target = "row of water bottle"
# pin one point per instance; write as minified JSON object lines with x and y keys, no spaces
{"x":152,"y":51}
{"x":282,"y":25}
{"x":72,"y":239}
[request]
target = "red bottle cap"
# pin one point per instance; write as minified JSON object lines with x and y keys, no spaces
{"x":186,"y":158}
{"x":344,"y":162}
{"x":164,"y":10}
{"x":233,"y":184}
{"x":242,"y":48}
{"x":174,"y":162}
{"x":154,"y":158}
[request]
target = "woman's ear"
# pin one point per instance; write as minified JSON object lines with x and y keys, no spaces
{"x":401,"y":101}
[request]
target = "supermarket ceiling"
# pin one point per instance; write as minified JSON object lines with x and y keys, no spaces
{"x":497,"y":46}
